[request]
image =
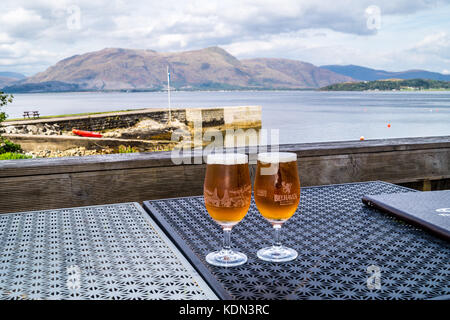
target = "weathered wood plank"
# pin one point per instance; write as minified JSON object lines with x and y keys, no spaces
{"x":99,"y":187}
{"x":158,"y":159}
{"x":395,"y":167}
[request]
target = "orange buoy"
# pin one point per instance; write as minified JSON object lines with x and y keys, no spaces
{"x":361,"y":138}
{"x":389,"y":125}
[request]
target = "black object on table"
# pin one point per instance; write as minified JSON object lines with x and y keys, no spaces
{"x":346,"y":250}
{"x":428,"y":210}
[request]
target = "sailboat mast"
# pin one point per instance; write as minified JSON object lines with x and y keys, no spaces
{"x":168,"y":93}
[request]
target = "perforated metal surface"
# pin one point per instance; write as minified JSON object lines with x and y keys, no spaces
{"x":337,"y":237}
{"x":102,"y":252}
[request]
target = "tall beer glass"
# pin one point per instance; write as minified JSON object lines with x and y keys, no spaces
{"x":277,"y":195}
{"x":227,"y":192}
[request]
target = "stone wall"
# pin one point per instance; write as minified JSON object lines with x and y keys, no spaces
{"x":55,"y":134}
{"x":209,"y":117}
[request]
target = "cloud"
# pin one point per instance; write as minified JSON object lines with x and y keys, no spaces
{"x":284,"y":28}
{"x":21,"y":23}
{"x":437,"y":44}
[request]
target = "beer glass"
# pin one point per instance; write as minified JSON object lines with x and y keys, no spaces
{"x":227,"y":192}
{"x":277,"y":195}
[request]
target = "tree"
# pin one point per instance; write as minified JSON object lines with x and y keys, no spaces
{"x":7,"y":146}
{"x":4,"y":100}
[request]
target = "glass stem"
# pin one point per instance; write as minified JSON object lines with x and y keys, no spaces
{"x":226,"y":239}
{"x":277,"y":235}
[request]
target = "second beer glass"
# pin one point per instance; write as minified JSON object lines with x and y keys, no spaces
{"x":277,"y":195}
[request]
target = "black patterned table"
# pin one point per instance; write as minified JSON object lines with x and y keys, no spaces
{"x":346,"y":250}
{"x":99,"y":252}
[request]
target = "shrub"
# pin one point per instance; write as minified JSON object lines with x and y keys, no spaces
{"x":8,"y":146}
{"x":8,"y":149}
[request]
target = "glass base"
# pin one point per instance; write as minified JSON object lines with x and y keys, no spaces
{"x":277,"y":254}
{"x":226,"y":258}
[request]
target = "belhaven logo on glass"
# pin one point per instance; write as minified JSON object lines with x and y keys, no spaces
{"x":286,"y":198}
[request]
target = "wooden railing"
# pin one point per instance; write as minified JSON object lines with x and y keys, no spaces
{"x":77,"y":181}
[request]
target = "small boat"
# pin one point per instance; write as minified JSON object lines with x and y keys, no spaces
{"x":86,"y":133}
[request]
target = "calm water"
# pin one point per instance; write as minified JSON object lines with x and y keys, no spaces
{"x":301,"y":116}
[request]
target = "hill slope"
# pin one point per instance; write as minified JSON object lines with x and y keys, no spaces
{"x":7,"y":78}
{"x":368,"y":74}
{"x":210,"y":68}
{"x":290,"y":73}
{"x":392,"y":84}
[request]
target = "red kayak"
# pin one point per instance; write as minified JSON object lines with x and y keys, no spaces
{"x":86,"y":133}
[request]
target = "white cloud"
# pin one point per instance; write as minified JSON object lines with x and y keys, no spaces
{"x":321,"y":32}
{"x":437,"y":44}
{"x":19,"y":16}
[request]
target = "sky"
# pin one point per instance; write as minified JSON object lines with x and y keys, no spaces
{"x":393,"y":35}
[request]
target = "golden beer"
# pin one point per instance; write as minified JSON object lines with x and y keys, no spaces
{"x":277,"y":186}
{"x":277,"y":195}
{"x":227,"y":192}
{"x":227,"y":189}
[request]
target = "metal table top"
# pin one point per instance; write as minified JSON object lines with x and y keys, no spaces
{"x":98,"y":252}
{"x":346,"y":250}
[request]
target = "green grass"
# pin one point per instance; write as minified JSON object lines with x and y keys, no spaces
{"x":127,"y":149}
{"x":74,"y":115}
{"x":13,"y":156}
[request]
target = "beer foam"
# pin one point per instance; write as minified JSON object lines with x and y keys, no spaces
{"x":227,"y":158}
{"x":277,"y":157}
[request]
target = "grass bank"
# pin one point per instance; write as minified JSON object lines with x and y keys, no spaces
{"x":72,"y":115}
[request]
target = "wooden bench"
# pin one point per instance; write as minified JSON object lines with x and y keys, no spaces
{"x":27,"y":114}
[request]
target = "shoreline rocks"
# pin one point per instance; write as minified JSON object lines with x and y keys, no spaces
{"x":147,"y":129}
{"x":37,"y":129}
{"x":80,"y":151}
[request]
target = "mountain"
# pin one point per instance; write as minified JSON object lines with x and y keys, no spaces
{"x":7,"y":78}
{"x":46,"y":86}
{"x":209,"y":68}
{"x":12,"y":75}
{"x":290,"y":73}
{"x":367,"y":74}
{"x":4,"y":81}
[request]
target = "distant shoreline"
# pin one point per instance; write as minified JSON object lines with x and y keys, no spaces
{"x":243,"y":90}
{"x":164,"y":91}
{"x":391,"y":85}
